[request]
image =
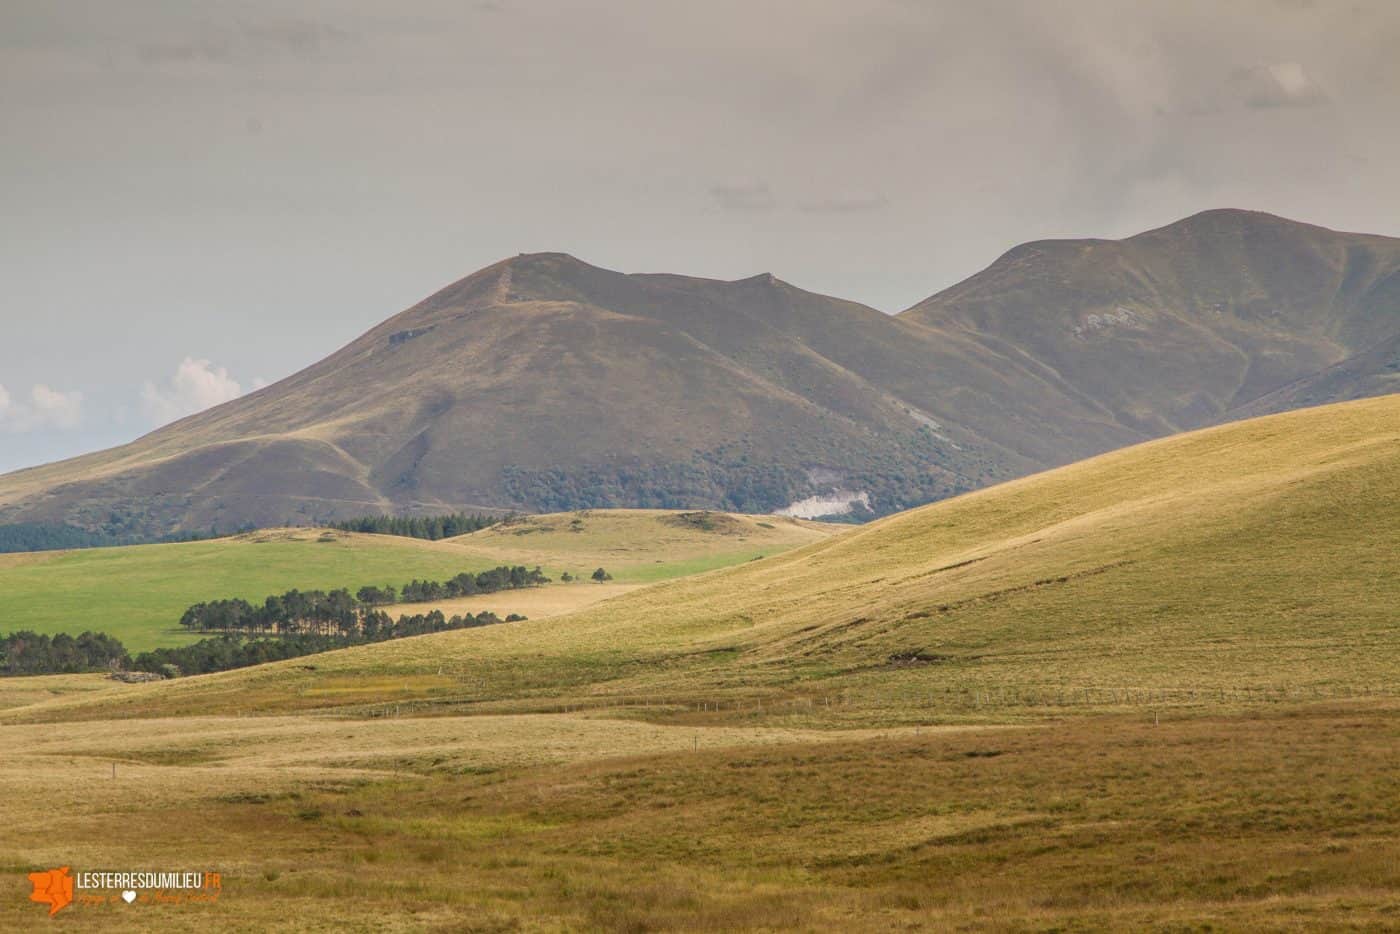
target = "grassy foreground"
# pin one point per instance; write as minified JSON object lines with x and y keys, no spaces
{"x":1155,"y":690}
{"x":1285,"y":819}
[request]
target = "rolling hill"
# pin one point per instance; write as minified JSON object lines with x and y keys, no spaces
{"x":1255,"y":556}
{"x":542,"y":383}
{"x":1153,"y":690}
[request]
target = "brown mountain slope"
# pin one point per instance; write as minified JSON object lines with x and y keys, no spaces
{"x":544,"y":383}
{"x":1201,"y":321}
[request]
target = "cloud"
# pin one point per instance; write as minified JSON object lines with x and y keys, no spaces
{"x":294,"y":39}
{"x":845,"y":204}
{"x":749,"y":197}
{"x":296,"y":36}
{"x":46,"y":408}
{"x":196,"y":385}
{"x":216,"y":51}
{"x":1283,"y":84}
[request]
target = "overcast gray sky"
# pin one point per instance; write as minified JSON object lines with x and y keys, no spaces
{"x":196,"y":196}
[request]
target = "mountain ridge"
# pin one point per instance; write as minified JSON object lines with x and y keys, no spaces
{"x":542,"y":382}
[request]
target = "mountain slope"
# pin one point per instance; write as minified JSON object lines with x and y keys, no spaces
{"x":543,"y":383}
{"x":1222,"y":315}
{"x":1246,"y":556}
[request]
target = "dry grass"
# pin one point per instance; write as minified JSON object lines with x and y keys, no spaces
{"x":1285,"y":821}
{"x":642,"y":545}
{"x":535,"y":603}
{"x":1100,"y":698}
{"x":20,"y":692}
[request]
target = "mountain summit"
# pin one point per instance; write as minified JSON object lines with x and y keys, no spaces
{"x":544,"y":383}
{"x":1219,"y":315}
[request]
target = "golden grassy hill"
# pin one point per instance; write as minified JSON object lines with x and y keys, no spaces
{"x":1252,"y":557}
{"x":641,"y":545}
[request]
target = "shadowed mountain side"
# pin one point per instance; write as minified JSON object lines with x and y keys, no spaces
{"x":1190,"y":324}
{"x":542,"y":383}
{"x":545,"y":383}
{"x":1374,"y":372}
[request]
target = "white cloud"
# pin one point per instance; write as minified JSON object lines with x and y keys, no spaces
{"x":745,"y":196}
{"x":848,"y":203}
{"x":197,"y":385}
{"x":1283,"y":84}
{"x":46,"y":408}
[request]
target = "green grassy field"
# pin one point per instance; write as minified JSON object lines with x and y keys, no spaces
{"x":1155,"y":690}
{"x":137,"y":593}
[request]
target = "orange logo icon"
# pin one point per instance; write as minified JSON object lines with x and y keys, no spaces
{"x":53,"y":888}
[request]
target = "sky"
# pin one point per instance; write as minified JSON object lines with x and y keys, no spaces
{"x":197,"y":198}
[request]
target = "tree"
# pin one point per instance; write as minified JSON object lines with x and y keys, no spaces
{"x":601,"y":575}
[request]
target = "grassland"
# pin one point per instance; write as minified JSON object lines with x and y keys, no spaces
{"x":1252,"y":558}
{"x":1155,"y":690}
{"x":536,"y":603}
{"x":138,"y":593}
{"x":642,"y":545}
{"x":1286,"y":819}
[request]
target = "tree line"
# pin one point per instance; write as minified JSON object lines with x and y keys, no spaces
{"x":287,"y":625}
{"x":429,"y":527}
{"x":53,"y":536}
{"x":338,"y":612}
{"x":32,"y":653}
{"x":120,"y":530}
{"x":239,"y":650}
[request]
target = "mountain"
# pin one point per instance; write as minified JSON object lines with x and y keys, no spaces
{"x":544,"y":383}
{"x":1223,"y":315}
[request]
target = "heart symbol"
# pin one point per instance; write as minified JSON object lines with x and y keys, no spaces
{"x":128,"y":896}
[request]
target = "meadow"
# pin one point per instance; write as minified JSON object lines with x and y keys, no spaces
{"x":137,"y":593}
{"x":642,"y":546}
{"x":1155,"y":690}
{"x":1286,"y":817}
